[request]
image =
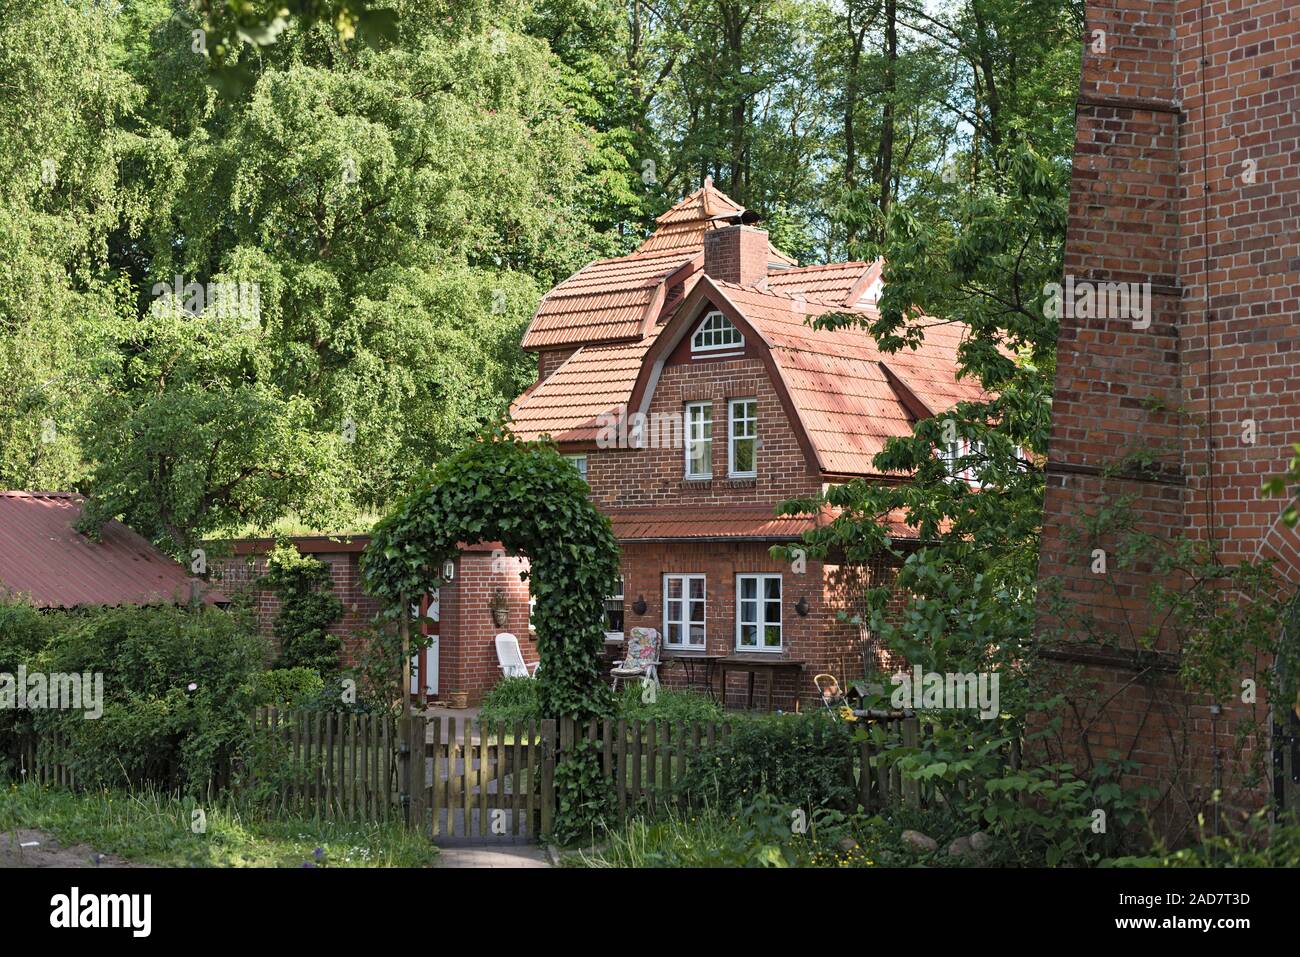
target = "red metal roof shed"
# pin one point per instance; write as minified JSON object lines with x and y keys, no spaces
{"x":42,"y":555}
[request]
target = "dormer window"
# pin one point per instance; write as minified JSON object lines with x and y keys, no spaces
{"x":716,"y":334}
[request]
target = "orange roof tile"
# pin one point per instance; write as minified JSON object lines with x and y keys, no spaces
{"x":837,"y":379}
{"x":612,"y":299}
{"x":594,"y":380}
{"x":751,"y":524}
{"x":831,"y":283}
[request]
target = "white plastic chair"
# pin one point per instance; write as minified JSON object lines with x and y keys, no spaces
{"x":511,"y":659}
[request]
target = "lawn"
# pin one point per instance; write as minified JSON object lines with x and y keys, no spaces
{"x":157,"y":829}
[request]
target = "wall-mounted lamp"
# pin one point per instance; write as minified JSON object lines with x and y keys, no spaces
{"x":448,"y":571}
{"x":801,"y":606}
{"x":638,"y":606}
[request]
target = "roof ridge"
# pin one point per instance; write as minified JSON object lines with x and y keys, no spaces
{"x":22,"y":493}
{"x":818,"y":266}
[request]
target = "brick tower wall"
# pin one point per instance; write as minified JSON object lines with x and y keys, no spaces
{"x":1222,"y":346}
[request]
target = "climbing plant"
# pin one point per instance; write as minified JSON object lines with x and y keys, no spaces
{"x":526,"y":496}
{"x":308,"y":606}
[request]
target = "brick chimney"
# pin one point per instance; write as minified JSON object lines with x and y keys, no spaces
{"x":736,"y":254}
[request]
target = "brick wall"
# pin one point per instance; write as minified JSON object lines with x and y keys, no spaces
{"x":468,"y":657}
{"x":237,"y":575}
{"x":641,"y":478}
{"x":1162,"y":193}
{"x":548,"y":360}
{"x":736,"y":254}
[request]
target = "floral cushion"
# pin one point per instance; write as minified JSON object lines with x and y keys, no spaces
{"x":642,"y":649}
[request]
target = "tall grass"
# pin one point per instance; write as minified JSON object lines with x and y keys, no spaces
{"x":153,"y":827}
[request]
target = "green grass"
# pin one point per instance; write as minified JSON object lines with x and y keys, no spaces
{"x":153,"y":828}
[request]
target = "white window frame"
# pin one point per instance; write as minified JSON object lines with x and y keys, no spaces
{"x":732,"y":438}
{"x":690,"y":439}
{"x":617,"y":596}
{"x":685,"y":620}
{"x":579,"y":463}
{"x":714,"y":327}
{"x":760,"y":620}
{"x":954,"y":452}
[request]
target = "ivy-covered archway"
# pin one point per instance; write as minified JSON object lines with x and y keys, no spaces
{"x":526,"y":496}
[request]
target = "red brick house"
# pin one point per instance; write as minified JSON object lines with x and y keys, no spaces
{"x":687,"y":386}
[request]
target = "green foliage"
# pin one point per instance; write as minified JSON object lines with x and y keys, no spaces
{"x":584,"y":797}
{"x":178,"y":692}
{"x":526,"y":496}
{"x":516,"y":699}
{"x":762,"y":833}
{"x":151,"y":827}
{"x":308,"y":606}
{"x":634,"y":703}
{"x":1256,"y":842}
{"x":288,"y":688}
{"x":804,"y":760}
{"x":511,"y":700}
{"x":550,"y":520}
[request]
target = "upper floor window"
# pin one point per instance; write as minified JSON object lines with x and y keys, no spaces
{"x":957,"y":457}
{"x":742,"y":439}
{"x":716,"y":333}
{"x":579,"y":463}
{"x":699,"y":440}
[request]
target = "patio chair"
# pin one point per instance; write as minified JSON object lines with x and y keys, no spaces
{"x":511,"y":659}
{"x":641,"y":659}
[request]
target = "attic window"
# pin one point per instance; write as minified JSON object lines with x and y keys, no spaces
{"x":716,"y":333}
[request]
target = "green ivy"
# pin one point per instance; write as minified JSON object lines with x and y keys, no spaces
{"x":526,"y":496}
{"x":308,"y":606}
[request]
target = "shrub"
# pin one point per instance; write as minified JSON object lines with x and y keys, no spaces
{"x":1259,"y":843}
{"x":288,"y":687}
{"x":516,"y":699}
{"x":801,"y":760}
{"x":177,"y":688}
{"x":308,"y":607}
{"x":513,"y":699}
{"x":667,"y":705}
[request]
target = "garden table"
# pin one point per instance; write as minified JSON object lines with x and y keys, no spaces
{"x":689,"y":660}
{"x":751,"y":665}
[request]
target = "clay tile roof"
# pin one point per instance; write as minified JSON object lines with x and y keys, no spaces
{"x":831,"y":283}
{"x":43,"y":556}
{"x":839,"y":382}
{"x":750,"y":524}
{"x":613,"y":299}
{"x":594,"y":380}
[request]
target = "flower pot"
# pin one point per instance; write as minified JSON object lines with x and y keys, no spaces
{"x":458,"y":699}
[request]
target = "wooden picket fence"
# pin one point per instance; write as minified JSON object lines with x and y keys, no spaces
{"x":473,"y":778}
{"x":40,"y":759}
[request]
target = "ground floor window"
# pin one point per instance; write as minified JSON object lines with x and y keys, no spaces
{"x":684,"y":611}
{"x":758,"y":612}
{"x":614,"y":612}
